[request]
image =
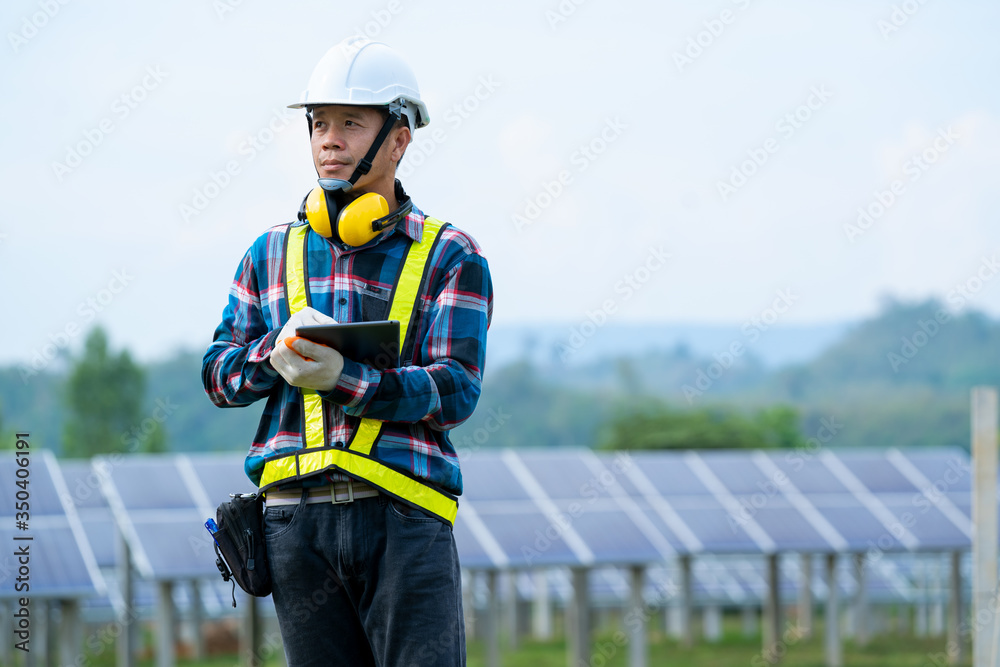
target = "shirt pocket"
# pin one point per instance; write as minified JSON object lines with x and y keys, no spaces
{"x":373,"y":302}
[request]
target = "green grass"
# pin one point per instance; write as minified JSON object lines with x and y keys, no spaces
{"x":734,"y":650}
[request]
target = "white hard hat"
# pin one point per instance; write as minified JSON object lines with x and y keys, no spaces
{"x":362,"y":72}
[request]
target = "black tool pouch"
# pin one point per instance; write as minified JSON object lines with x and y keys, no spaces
{"x":239,"y":543}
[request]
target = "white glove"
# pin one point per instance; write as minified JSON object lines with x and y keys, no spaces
{"x":309,"y":365}
{"x":304,"y":317}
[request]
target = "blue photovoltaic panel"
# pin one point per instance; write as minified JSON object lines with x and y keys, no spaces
{"x":946,"y":471}
{"x":487,"y":477}
{"x":471,"y":553}
{"x":807,"y":472}
{"x":876,"y":472}
{"x":788,"y":528}
{"x":614,"y":538}
{"x":737,"y":472}
{"x":619,"y":465}
{"x":220,"y":475}
{"x":669,"y":474}
{"x":57,"y":568}
{"x":528,"y":539}
{"x":664,"y":530}
{"x":857,"y":525}
{"x":43,"y":498}
{"x":151,"y":482}
{"x":99,"y":526}
{"x":716,"y":530}
{"x":177,"y":548}
{"x":83,"y":484}
{"x":562,"y":474}
{"x":928,"y":525}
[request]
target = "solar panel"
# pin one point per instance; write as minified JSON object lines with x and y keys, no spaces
{"x":563,"y":474}
{"x":485,"y":477}
{"x":150,"y":482}
{"x":614,"y":538}
{"x":807,"y":472}
{"x":669,"y":474}
{"x":789,"y":530}
{"x":221,"y":475}
{"x":876,"y":473}
{"x":60,"y":561}
{"x":529,"y":539}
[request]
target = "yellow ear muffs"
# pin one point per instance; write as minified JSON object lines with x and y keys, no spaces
{"x":354,"y":224}
{"x":358,"y":222}
{"x":317,"y":213}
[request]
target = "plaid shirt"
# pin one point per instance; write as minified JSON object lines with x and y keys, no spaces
{"x":419,"y":402}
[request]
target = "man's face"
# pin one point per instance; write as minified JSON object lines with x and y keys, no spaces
{"x":342,"y":136}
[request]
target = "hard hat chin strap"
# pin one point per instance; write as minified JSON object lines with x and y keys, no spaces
{"x":339,"y":184}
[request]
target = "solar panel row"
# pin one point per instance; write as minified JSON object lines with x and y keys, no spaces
{"x":533,"y":508}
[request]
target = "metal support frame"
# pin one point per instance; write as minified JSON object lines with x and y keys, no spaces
{"x":862,"y":629}
{"x":687,"y":603}
{"x":804,"y":615}
{"x":954,"y":646}
{"x":833,"y":648}
{"x":636,"y":619}
{"x":984,"y":521}
{"x":578,"y":619}
{"x":541,"y":616}
{"x":492,"y":621}
{"x":772,"y":606}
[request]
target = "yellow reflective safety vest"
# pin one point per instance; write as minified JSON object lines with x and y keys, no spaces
{"x":355,"y":459}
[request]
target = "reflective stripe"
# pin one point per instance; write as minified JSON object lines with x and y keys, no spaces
{"x":408,"y":286}
{"x":295,"y":284}
{"x":356,"y":459}
{"x":391,"y":481}
{"x":404,"y":300}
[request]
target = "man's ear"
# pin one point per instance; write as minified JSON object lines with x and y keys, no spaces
{"x":400,"y":139}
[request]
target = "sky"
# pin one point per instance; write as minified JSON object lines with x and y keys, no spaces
{"x":627,"y":162}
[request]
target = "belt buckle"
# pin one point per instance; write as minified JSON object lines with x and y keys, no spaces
{"x":350,"y":493}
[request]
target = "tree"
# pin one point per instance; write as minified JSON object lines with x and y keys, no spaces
{"x":656,"y":425}
{"x":104,"y":398}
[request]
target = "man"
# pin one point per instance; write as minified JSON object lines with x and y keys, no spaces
{"x":359,"y":476}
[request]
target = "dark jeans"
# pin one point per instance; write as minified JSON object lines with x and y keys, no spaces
{"x":372,"y":582}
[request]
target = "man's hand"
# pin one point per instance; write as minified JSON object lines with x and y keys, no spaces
{"x":304,"y":317}
{"x":306,"y":364}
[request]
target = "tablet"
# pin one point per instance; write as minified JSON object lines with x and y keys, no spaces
{"x":372,"y":343}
